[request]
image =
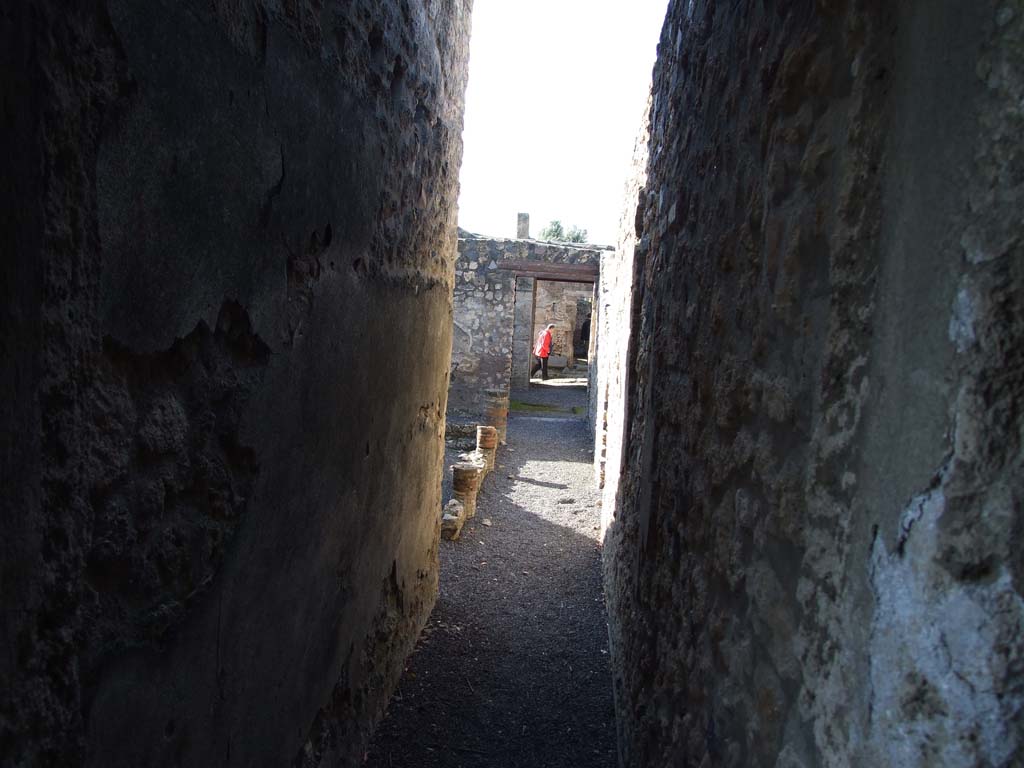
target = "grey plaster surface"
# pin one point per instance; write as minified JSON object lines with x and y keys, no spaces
{"x":219,"y":533}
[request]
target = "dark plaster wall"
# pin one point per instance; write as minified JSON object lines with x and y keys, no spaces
{"x":224,"y":227}
{"x":813,"y":555}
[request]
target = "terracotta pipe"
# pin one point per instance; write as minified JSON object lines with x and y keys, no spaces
{"x":487,"y":444}
{"x":466,"y":476}
{"x":497,"y":411}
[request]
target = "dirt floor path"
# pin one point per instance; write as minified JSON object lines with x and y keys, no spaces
{"x":512,"y":669}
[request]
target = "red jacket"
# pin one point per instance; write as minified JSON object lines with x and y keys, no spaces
{"x":543,"y":346}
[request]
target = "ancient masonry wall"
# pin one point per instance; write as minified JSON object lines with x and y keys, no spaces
{"x":614,"y":316}
{"x":813,"y":553}
{"x":483,"y":308}
{"x":220,"y":527}
{"x":488,"y":300}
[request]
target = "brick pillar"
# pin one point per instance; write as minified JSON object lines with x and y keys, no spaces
{"x":523,"y":226}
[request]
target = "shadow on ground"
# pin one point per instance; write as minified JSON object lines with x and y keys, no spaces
{"x":512,"y":669}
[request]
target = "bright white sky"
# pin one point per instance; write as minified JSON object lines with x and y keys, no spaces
{"x":555,"y":100}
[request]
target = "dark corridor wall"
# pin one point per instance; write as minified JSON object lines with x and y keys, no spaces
{"x":814,"y":557}
{"x":225,"y":226}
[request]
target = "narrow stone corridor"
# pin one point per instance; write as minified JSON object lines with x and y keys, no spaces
{"x":512,"y":669}
{"x":248,"y":321}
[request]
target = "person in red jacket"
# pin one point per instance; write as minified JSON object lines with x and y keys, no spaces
{"x":541,"y":351}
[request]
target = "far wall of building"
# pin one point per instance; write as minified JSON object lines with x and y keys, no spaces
{"x":499,"y":300}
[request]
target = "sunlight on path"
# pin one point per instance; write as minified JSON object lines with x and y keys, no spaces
{"x":512,"y":668}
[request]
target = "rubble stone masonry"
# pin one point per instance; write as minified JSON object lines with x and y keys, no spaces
{"x":813,"y":556}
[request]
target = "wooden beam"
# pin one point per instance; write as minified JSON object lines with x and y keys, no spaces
{"x":557,"y":278}
{"x":546,"y":270}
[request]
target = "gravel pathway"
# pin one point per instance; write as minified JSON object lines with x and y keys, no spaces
{"x":512,"y":669}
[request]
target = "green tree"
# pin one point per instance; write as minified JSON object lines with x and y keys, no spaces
{"x":556,"y":233}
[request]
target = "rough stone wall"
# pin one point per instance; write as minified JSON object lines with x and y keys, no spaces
{"x":614,"y":315}
{"x":220,"y":503}
{"x":485,"y":307}
{"x":814,"y":556}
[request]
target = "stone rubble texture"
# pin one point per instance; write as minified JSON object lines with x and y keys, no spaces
{"x":812,"y":555}
{"x":453,"y":517}
{"x":613,"y":317}
{"x":220,"y":532}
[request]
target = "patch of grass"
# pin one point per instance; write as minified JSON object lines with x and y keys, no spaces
{"x":526,"y":407}
{"x":521,"y":405}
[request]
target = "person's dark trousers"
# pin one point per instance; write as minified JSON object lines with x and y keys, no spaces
{"x":539,"y":364}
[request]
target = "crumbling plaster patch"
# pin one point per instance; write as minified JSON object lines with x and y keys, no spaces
{"x":943,"y":651}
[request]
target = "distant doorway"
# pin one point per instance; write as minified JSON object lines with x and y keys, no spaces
{"x":567,"y":304}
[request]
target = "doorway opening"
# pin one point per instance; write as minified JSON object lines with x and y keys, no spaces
{"x":566,"y":305}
